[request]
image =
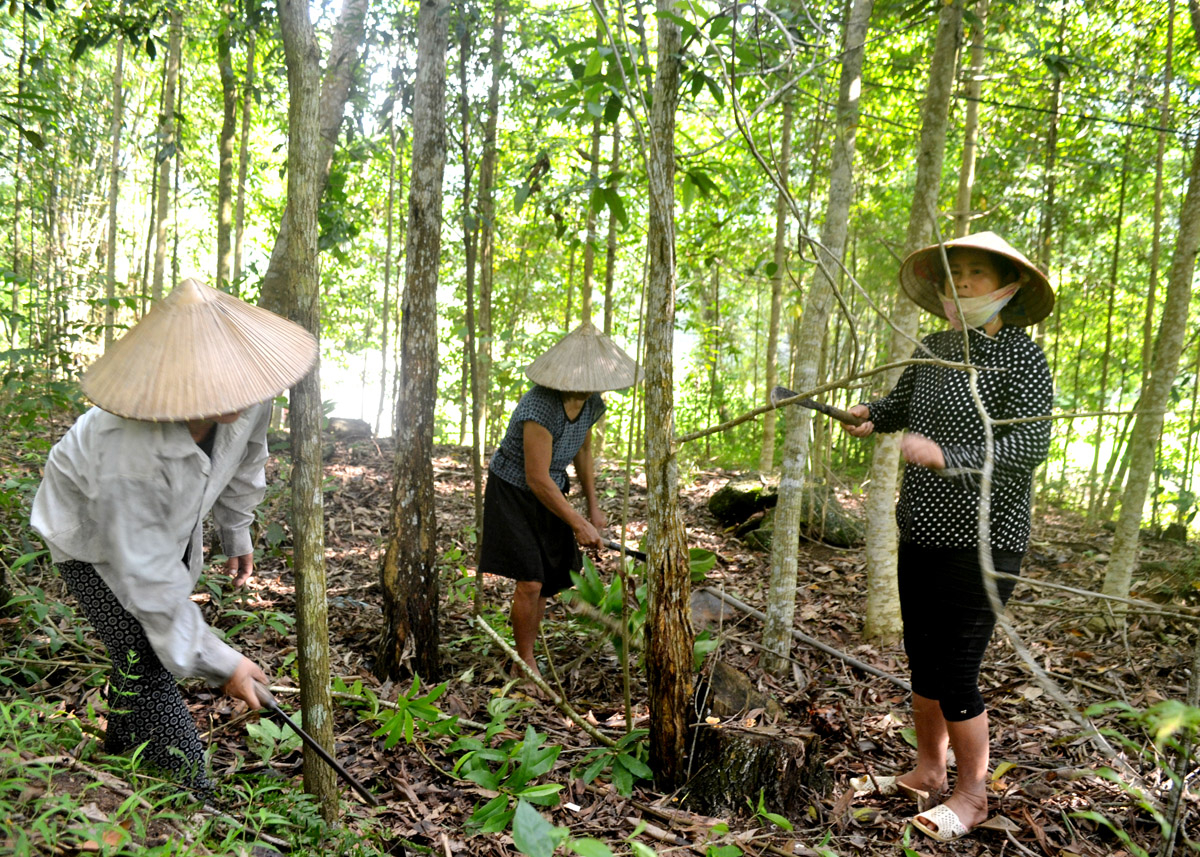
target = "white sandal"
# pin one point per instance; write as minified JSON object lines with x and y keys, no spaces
{"x":941,"y":822}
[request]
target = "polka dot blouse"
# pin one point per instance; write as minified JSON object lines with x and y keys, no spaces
{"x":941,"y":508}
{"x":544,"y":406}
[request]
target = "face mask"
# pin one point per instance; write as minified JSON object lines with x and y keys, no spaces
{"x":977,"y":312}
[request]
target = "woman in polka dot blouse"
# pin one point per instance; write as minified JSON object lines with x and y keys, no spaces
{"x":531,"y":532}
{"x":947,"y":617}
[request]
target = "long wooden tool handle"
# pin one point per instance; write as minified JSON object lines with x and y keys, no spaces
{"x":781,"y":393}
{"x":268,"y":701}
{"x":619,"y":548}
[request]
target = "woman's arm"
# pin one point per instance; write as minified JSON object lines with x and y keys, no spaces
{"x":539,"y":449}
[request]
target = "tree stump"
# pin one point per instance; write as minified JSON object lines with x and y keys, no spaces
{"x":733,"y":764}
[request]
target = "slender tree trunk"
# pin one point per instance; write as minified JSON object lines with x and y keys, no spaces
{"x":1156,"y":394}
{"x":387,"y":269}
{"x":239,"y":215}
{"x":167,"y":154}
{"x":487,"y":232}
{"x":781,"y":591}
{"x":882,"y":598}
{"x":409,"y":577}
{"x":335,"y":89}
{"x":600,"y":430}
{"x":1164,"y":118}
{"x":114,"y":189}
{"x":966,"y":173}
{"x":589,"y":247}
{"x":16,"y":179}
{"x":303,"y":59}
{"x":470,"y":230}
{"x":1045,"y":253}
{"x":225,"y":145}
{"x":766,"y":455}
{"x":668,"y":626}
{"x":1095,"y":490}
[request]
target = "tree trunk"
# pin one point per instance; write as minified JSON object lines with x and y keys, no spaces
{"x":781,"y":592}
{"x":387,"y":269}
{"x":12,"y":323}
{"x":766,"y":455}
{"x":668,"y":626}
{"x":1156,"y":394}
{"x":589,"y":248}
{"x":883,"y":608}
{"x":239,"y":215}
{"x":487,"y":231}
{"x":966,"y":173}
{"x":167,"y":154}
{"x":1164,"y":118}
{"x":114,"y":189}
{"x":335,"y":89}
{"x":409,"y":578}
{"x":303,"y":59}
{"x":1095,"y":490}
{"x":600,"y":430}
{"x":225,"y":152}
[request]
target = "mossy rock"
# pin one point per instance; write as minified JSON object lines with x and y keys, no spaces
{"x":822,"y":519}
{"x":741,"y":497}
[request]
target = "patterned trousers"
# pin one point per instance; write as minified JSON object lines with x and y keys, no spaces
{"x":144,"y":702}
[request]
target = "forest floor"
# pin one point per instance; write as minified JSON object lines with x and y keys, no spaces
{"x":1049,"y":792}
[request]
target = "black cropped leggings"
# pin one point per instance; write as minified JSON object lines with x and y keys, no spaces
{"x":144,"y":702}
{"x":948,"y":622}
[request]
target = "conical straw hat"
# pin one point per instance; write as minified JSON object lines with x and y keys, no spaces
{"x":921,"y":276}
{"x":584,"y":361}
{"x":199,"y":353}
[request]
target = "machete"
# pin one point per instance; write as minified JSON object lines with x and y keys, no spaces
{"x":781,"y":393}
{"x":269,"y":703}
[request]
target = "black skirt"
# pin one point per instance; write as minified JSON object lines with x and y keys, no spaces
{"x":523,"y":540}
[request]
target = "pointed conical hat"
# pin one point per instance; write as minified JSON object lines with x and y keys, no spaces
{"x":922,"y":274}
{"x":584,"y":361}
{"x":199,"y":353}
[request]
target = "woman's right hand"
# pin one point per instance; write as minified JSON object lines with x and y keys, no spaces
{"x":586,"y":534}
{"x":864,"y":428}
{"x":241,"y":684}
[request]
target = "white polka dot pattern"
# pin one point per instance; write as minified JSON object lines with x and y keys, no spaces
{"x":940,"y":509}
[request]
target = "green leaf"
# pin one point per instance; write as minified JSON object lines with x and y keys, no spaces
{"x":617,"y":206}
{"x":594,"y":64}
{"x":719,"y":25}
{"x":519,"y":200}
{"x":635,"y":766}
{"x":777,"y":820}
{"x":532,"y":834}
{"x":909,"y":735}
{"x":640,"y":849}
{"x":545,"y":794}
{"x":612,"y":110}
{"x":590,"y":848}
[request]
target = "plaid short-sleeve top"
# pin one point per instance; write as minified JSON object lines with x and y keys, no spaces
{"x":544,"y":407}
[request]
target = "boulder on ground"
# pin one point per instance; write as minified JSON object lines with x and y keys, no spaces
{"x":342,"y":428}
{"x":741,"y":497}
{"x":822,"y":519}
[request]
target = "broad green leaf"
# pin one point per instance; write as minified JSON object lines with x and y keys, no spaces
{"x":589,"y":848}
{"x":532,"y":834}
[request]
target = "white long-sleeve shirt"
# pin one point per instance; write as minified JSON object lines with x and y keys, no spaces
{"x":129,"y":496}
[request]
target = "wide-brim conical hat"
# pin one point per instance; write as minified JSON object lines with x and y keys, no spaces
{"x":199,"y":353}
{"x":584,"y":361}
{"x":922,"y":274}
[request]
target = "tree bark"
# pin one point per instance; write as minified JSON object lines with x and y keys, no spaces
{"x":387,"y":269}
{"x":303,"y":60}
{"x":409,"y":575}
{"x":781,"y":592}
{"x":239,"y":214}
{"x":1164,"y":119}
{"x":668,"y":626}
{"x":883,"y":613}
{"x":600,"y":430}
{"x":225,"y":151}
{"x":12,"y":323}
{"x":335,"y":89}
{"x":766,"y":455}
{"x":1156,"y":394}
{"x":114,"y":189}
{"x":966,"y":173}
{"x":589,"y":247}
{"x":167,"y":154}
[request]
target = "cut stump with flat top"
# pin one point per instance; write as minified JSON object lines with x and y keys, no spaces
{"x":732,"y":764}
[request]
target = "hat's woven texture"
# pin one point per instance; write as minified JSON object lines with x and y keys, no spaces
{"x":921,"y":277}
{"x":584,"y":361}
{"x":199,"y":353}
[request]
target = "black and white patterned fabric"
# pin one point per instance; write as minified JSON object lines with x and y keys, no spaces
{"x":940,"y":509}
{"x":544,"y":407}
{"x":144,"y":702}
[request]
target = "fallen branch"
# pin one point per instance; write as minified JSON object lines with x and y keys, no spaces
{"x":812,"y":641}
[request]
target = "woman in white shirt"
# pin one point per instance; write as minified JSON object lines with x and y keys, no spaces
{"x":183,"y":403}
